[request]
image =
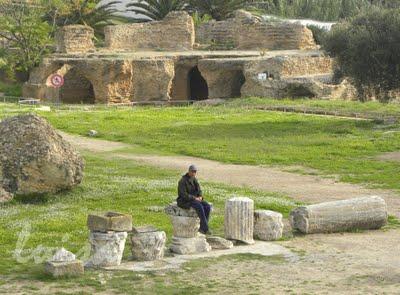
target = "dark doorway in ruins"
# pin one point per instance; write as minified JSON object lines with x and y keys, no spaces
{"x":197,"y":85}
{"x":237,"y":83}
{"x":76,"y":89}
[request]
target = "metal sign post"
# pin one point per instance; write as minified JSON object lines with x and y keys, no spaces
{"x":57,"y":81}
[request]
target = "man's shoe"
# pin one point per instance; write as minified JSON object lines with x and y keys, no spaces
{"x":209,"y":233}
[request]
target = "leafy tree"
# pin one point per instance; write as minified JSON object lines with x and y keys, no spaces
{"x":367,"y":50}
{"x":218,"y":9}
{"x":155,"y":9}
{"x":28,"y":36}
{"x":84,"y":12}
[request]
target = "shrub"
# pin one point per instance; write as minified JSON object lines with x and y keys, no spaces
{"x":367,"y":50}
{"x":319,"y":33}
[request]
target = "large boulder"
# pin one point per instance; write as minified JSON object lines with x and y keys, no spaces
{"x":35,"y":159}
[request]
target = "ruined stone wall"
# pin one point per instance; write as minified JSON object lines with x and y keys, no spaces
{"x":217,"y":32}
{"x":75,"y":39}
{"x":174,"y":32}
{"x":247,"y":32}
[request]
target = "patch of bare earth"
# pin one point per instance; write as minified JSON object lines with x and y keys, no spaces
{"x":350,"y":263}
{"x":306,"y":188}
{"x":393,"y":156}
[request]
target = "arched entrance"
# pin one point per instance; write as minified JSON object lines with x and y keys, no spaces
{"x":76,"y":89}
{"x":198,"y":88}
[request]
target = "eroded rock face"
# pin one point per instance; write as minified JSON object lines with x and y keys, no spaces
{"x":36,"y":159}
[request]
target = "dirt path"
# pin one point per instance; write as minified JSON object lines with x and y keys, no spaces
{"x":311,"y":189}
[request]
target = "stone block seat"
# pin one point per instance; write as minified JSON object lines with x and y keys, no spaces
{"x":186,"y":237}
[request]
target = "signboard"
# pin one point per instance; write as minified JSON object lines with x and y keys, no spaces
{"x":262,"y":76}
{"x":57,"y":80}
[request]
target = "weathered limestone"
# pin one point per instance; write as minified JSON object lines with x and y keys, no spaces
{"x":152,"y":79}
{"x":308,"y":75}
{"x":194,"y":245}
{"x":268,"y":225}
{"x":35,"y":158}
{"x":186,"y":239}
{"x":247,"y":32}
{"x":174,"y":32}
{"x":109,"y":221}
{"x":64,"y":264}
{"x":106,"y":248}
{"x":239,"y":219}
{"x":147,"y":243}
{"x":185,"y":227}
{"x":224,"y":76}
{"x":353,"y":214}
{"x":218,"y":243}
{"x":75,"y":39}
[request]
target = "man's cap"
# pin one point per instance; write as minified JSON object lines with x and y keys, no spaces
{"x":192,"y":168}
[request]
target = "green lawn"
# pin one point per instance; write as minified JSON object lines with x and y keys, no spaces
{"x":248,"y":136}
{"x":115,"y":185}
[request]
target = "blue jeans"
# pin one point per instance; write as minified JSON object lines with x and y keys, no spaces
{"x":203,"y":210}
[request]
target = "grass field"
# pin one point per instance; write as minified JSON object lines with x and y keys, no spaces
{"x":55,"y":221}
{"x":230,"y":133}
{"x":248,"y":136}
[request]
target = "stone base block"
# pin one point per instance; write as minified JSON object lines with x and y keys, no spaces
{"x":64,"y":269}
{"x":148,"y":244}
{"x":218,"y":243}
{"x":268,"y":225}
{"x":185,"y":227}
{"x":109,"y":221}
{"x":190,"y":245}
{"x":106,"y":248}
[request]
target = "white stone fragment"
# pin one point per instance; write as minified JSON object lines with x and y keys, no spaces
{"x":268,"y":225}
{"x":62,"y":255}
{"x":194,"y":245}
{"x":239,"y":219}
{"x":353,"y":214}
{"x":106,"y":248}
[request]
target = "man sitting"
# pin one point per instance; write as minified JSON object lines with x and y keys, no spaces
{"x":191,"y":196}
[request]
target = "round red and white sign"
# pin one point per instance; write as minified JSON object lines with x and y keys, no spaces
{"x":57,"y":80}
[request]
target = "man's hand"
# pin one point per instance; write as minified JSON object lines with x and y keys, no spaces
{"x":199,"y":198}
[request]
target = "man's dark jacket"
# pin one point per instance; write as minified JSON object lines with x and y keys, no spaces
{"x":188,"y":189}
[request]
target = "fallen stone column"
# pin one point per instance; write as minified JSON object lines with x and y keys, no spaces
{"x":239,"y":219}
{"x":353,"y":214}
